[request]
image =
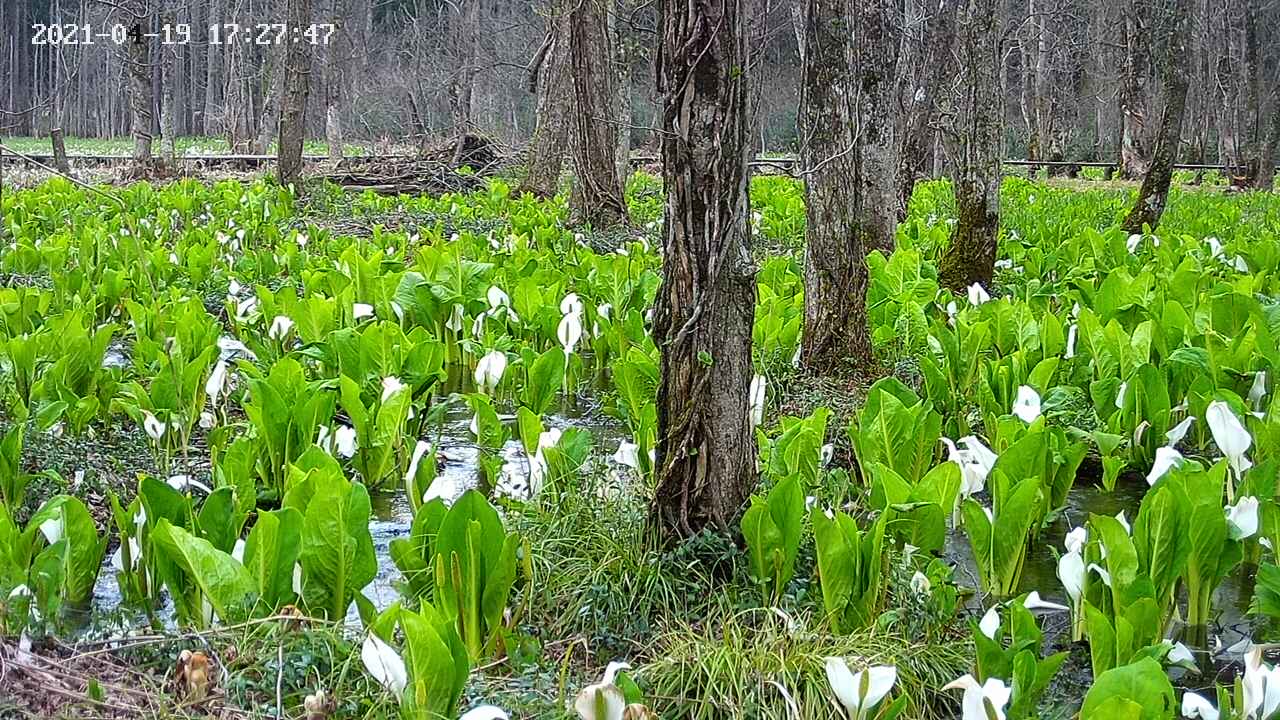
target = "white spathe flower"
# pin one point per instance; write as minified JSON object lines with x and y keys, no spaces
{"x":569,"y":331}
{"x":1261,"y":685}
{"x":1071,"y":573}
{"x":490,"y":369}
{"x":1195,"y":706}
{"x":755,"y":407}
{"x":183,"y":483}
{"x":233,"y":289}
{"x":422,"y":448}
{"x":344,"y":441}
{"x":1124,"y":523}
{"x":1071,"y":343}
{"x":628,"y":455}
{"x":977,"y":294}
{"x":1124,"y":387}
{"x":1133,"y":242}
{"x":497,"y":298}
{"x":862,"y":691}
{"x":1179,"y":431}
{"x":237,"y":551}
{"x":153,"y":427}
{"x":604,"y":695}
{"x":455,"y":318}
{"x":217,"y":381}
{"x":1035,"y":602}
{"x":975,"y":460}
{"x":280,"y":327}
{"x":52,"y":528}
{"x":981,"y":702}
{"x":1229,"y":435}
{"x":1075,"y":539}
{"x":1166,"y":459}
{"x":361,"y":310}
{"x":1242,"y":518}
{"x":1027,"y":404}
{"x":1180,"y":654}
{"x":920,"y":584}
{"x":390,"y":386}
{"x":1102,"y":573}
{"x":485,"y":712}
{"x":989,"y":623}
{"x":571,"y":305}
{"x":384,"y":664}
{"x":825,"y":454}
{"x":117,"y":557}
{"x":1258,"y":389}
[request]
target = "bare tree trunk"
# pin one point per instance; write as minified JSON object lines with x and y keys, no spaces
{"x":333,"y":79}
{"x":847,"y":151}
{"x":622,"y":59}
{"x":463,"y":83}
{"x":59,"y":151}
{"x":922,"y":66}
{"x":549,"y":78}
{"x":269,"y":116}
{"x":293,"y":111}
{"x":705,"y":306}
{"x":1268,"y":158}
{"x":168,"y":86}
{"x":1134,"y":106}
{"x":977,"y":148}
{"x":214,"y":81}
{"x":1174,"y":67}
{"x":597,"y":199}
{"x":140,"y":97}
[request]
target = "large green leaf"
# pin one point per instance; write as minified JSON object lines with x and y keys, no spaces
{"x":1142,"y":684}
{"x":223,"y":581}
{"x":270,"y":553}
{"x":337,"y":549}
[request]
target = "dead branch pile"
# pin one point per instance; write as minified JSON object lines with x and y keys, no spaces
{"x":393,"y":177}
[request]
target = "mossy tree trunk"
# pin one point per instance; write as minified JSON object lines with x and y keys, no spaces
{"x":849,"y":158}
{"x":976,"y":147}
{"x":597,"y":198}
{"x":706,"y":303}
{"x":141,"y":97}
{"x":1175,"y":65}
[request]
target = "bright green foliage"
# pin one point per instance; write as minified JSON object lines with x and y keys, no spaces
{"x":897,"y":429}
{"x":851,"y":569}
{"x":772,"y":528}
{"x":999,"y":537}
{"x":337,"y":549}
{"x":1137,"y":691}
{"x":1013,"y":655}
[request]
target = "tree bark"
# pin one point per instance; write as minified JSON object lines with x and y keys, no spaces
{"x":140,"y":96}
{"x":847,"y":152}
{"x":705,"y":305}
{"x":1134,"y":106}
{"x":333,"y":79}
{"x":597,"y":199}
{"x":297,"y":69}
{"x":976,"y":148}
{"x":1174,"y":67}
{"x":269,"y":116}
{"x":59,"y":151}
{"x":168,"y":88}
{"x":462,"y":86}
{"x":214,"y":82}
{"x":923,"y":64}
{"x":548,"y":77}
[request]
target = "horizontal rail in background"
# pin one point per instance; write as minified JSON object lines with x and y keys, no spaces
{"x":780,"y":162}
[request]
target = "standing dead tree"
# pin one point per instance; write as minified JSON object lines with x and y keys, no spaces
{"x":706,"y":303}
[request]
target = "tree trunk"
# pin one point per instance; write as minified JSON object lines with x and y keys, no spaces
{"x":1134,"y":152}
{"x":1174,"y":67}
{"x":705,"y":306}
{"x":59,"y":151}
{"x":463,"y":83}
{"x":333,"y":79}
{"x":168,"y":87}
{"x":549,"y":78}
{"x":140,"y":97}
{"x":269,"y":116}
{"x":923,"y":65}
{"x":977,"y":149}
{"x":293,"y":111}
{"x":847,"y":151}
{"x":213,"y":85}
{"x":597,"y":199}
{"x":622,"y":58}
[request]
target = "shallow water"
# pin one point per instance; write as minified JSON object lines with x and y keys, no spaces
{"x":458,"y":457}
